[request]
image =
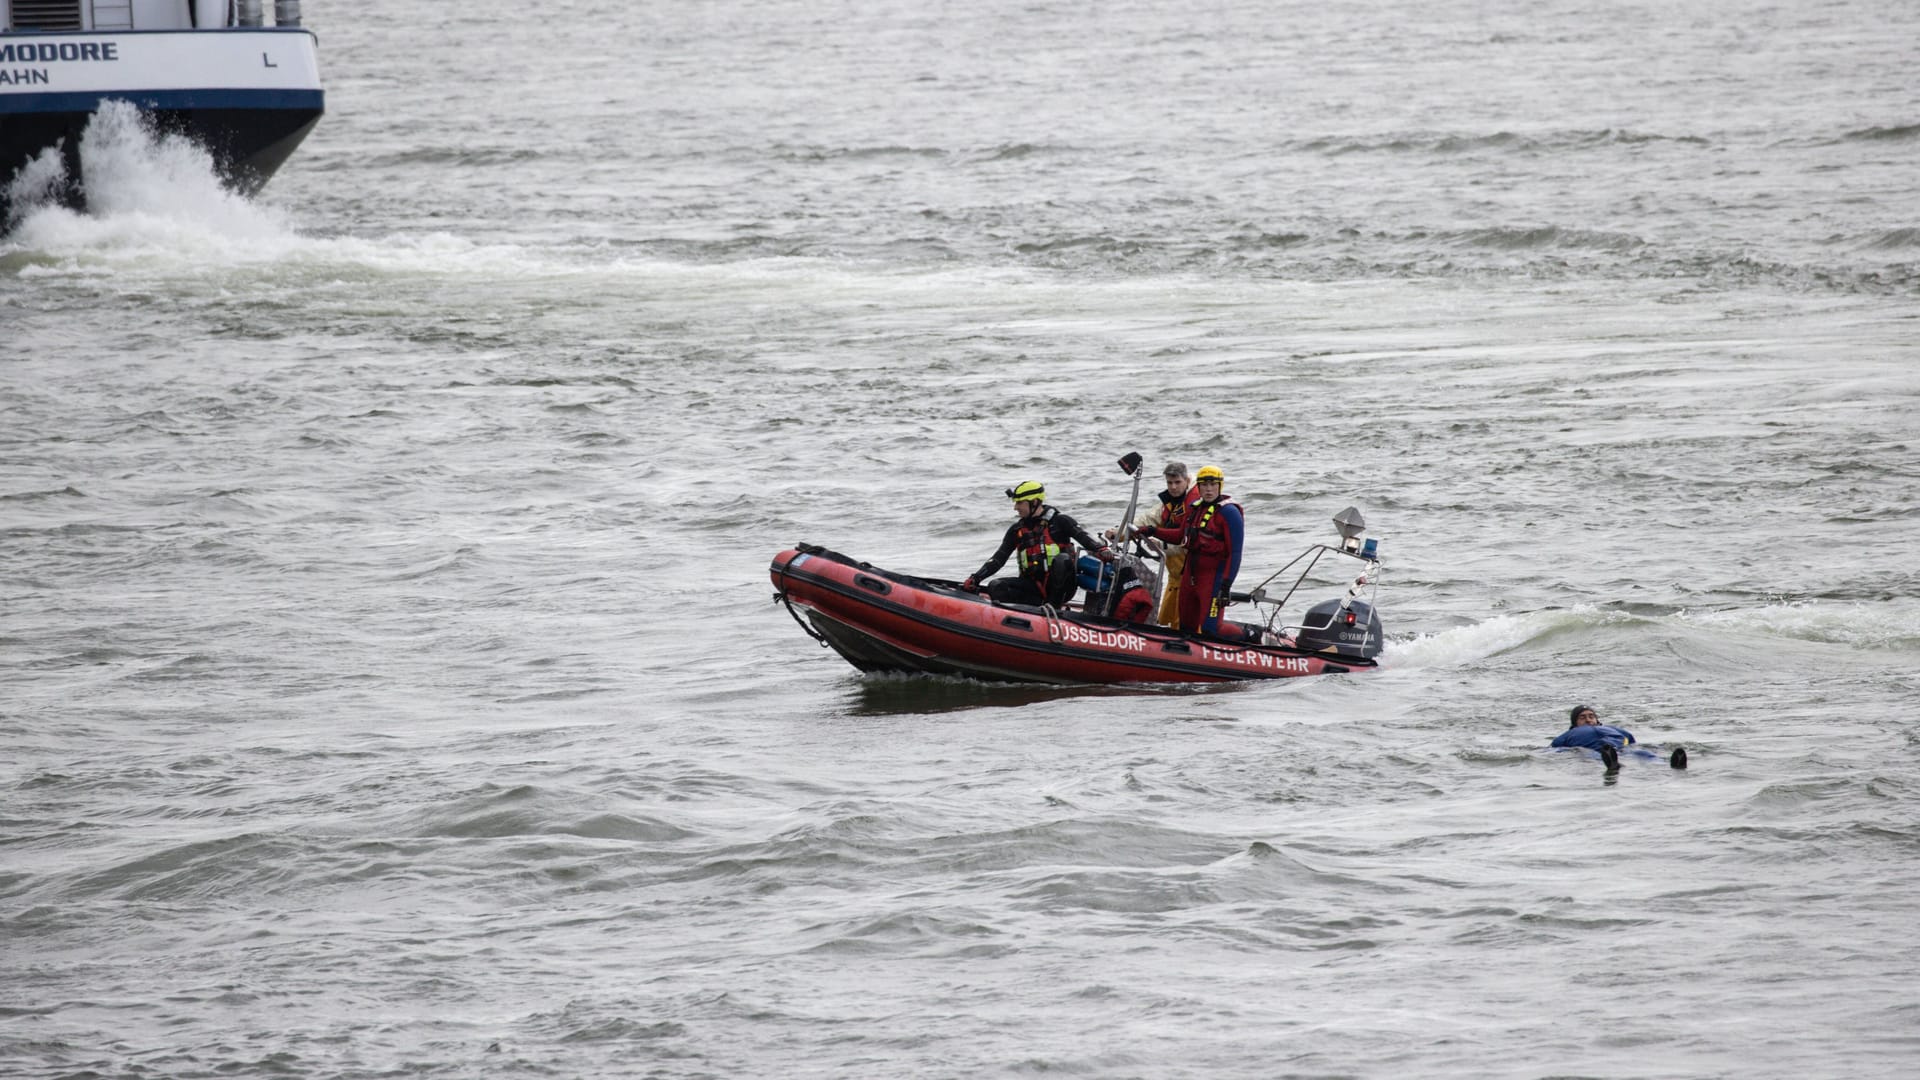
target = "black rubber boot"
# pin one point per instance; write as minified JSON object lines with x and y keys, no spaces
{"x":1611,"y":757}
{"x":1679,"y":758}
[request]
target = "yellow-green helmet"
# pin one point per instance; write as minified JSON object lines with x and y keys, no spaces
{"x":1028,"y":491}
{"x":1210,"y":472}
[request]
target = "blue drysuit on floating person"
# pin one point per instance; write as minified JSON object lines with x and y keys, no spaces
{"x":1593,"y":737}
{"x":1588,"y":733}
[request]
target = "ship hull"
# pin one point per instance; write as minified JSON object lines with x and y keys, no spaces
{"x":248,"y":97}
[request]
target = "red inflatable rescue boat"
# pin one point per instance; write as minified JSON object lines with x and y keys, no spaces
{"x":882,"y":621}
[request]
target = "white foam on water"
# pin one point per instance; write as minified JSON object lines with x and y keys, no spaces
{"x":1466,"y":644}
{"x":157,"y":208}
{"x":131,"y":170}
{"x":38,"y":183}
{"x":156,"y":203}
{"x":149,"y":193}
{"x":1889,"y":625}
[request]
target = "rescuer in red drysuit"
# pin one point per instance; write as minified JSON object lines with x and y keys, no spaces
{"x":1118,"y":585}
{"x":1212,"y":534}
{"x":1135,"y":605}
{"x":1171,"y":513}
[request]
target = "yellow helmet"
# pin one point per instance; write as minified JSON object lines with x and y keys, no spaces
{"x":1028,"y":491}
{"x":1209,"y":472}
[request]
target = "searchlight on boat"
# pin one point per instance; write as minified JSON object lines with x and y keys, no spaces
{"x":1351,"y":526}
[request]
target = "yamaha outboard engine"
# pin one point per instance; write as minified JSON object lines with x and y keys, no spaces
{"x":1354,"y":633}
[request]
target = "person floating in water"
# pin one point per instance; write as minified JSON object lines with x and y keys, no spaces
{"x":1586,"y":732}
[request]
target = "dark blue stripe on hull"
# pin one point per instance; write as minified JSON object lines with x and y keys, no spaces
{"x":87,"y":101}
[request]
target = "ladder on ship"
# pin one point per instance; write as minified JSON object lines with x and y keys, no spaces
{"x":112,"y":14}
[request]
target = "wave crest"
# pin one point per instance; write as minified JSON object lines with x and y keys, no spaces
{"x":144,"y":189}
{"x":1892,"y":625}
{"x":1897,"y":133}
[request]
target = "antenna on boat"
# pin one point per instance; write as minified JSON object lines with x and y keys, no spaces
{"x":1130,"y":464}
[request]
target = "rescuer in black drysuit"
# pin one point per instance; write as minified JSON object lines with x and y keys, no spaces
{"x":1043,"y":537}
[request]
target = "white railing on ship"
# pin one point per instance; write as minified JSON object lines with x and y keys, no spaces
{"x":107,"y":15}
{"x":285,"y":13}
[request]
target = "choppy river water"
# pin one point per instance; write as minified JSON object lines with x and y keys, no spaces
{"x":391,"y":686}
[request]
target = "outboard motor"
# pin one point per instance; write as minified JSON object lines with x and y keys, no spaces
{"x":1354,"y":633}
